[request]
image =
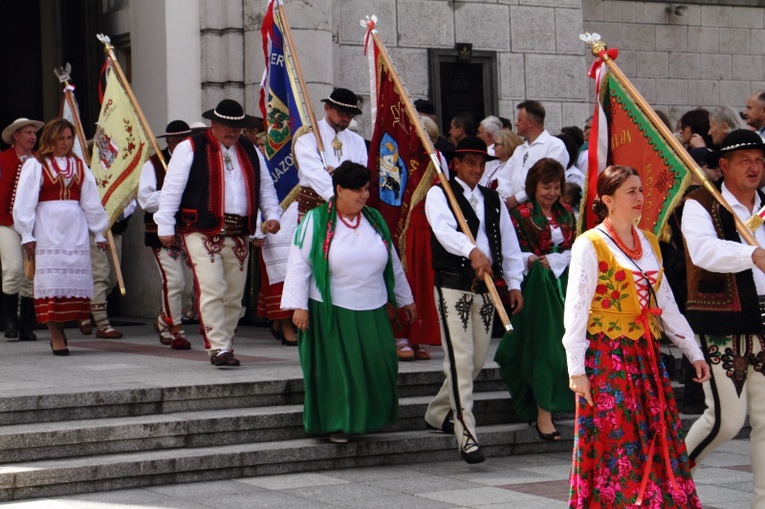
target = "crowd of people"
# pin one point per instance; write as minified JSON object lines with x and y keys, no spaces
{"x":589,"y":308}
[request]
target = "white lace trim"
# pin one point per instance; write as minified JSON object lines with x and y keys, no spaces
{"x":67,"y":293}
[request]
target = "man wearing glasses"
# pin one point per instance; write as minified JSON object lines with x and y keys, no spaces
{"x":340,"y":144}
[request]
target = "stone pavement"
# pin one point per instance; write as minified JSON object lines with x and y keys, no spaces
{"x":538,"y":481}
{"x":138,"y":360}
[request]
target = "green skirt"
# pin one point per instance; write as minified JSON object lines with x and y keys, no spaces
{"x":532,"y":360}
{"x":350,"y":371}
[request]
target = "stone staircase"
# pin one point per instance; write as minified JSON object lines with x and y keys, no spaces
{"x":76,"y":442}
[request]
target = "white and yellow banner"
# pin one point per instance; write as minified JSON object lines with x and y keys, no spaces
{"x":120,"y":149}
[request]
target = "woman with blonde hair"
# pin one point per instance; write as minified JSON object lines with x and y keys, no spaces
{"x":504,"y":146}
{"x":61,"y":206}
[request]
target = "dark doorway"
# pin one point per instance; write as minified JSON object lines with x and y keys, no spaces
{"x":460,"y":85}
{"x":38,"y":35}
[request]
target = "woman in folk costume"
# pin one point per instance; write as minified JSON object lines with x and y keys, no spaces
{"x":60,"y":206}
{"x":412,"y":338}
{"x":532,"y":360}
{"x":627,"y":448}
{"x":341,"y":274}
{"x":274,"y":250}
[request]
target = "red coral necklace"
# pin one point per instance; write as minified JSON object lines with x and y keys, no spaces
{"x":350,"y":224}
{"x":636,"y":253}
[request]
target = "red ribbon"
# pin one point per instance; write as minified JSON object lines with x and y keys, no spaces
{"x":611,"y":53}
{"x":371,"y":25}
{"x":662,"y":430}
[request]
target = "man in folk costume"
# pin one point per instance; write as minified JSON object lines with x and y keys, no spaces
{"x":215,"y":184}
{"x":21,"y":135}
{"x":340,"y":144}
{"x":462,"y":299}
{"x":170,"y":260}
{"x":103,"y":280}
{"x":726,"y":304}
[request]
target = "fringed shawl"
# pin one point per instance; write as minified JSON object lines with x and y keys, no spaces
{"x":324,"y":220}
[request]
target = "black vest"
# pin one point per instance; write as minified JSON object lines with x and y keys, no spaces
{"x":202,"y":204}
{"x":150,"y":237}
{"x":721,"y":303}
{"x":447,"y":264}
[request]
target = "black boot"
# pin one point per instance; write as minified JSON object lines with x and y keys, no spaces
{"x":27,"y":320}
{"x":10,"y":310}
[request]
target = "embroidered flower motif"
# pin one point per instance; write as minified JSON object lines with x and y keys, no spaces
{"x":613,"y":289}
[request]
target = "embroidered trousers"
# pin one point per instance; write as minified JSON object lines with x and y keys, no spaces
{"x":11,"y":258}
{"x":466,"y":322}
{"x":219,"y":265}
{"x":170,"y":263}
{"x":737,"y":388}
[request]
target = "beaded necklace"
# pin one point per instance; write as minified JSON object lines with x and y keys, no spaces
{"x":68,"y":172}
{"x":634,"y":254}
{"x":350,"y":224}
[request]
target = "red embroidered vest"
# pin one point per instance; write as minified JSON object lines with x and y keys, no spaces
{"x":53,"y":186}
{"x":10,"y":169}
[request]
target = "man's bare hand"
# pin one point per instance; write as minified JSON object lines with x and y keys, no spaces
{"x":516,"y":301}
{"x":481,"y":264}
{"x":167,"y":240}
{"x":272,"y":226}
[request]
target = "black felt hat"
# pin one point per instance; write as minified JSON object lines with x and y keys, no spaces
{"x":230,"y":113}
{"x":424,"y":106}
{"x":740,"y":139}
{"x":473,"y":145}
{"x":176,"y":128}
{"x":344,"y":99}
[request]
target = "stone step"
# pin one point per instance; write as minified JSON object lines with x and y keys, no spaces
{"x":103,"y":472}
{"x":49,"y":440}
{"x":57,"y":477}
{"x":131,"y":400}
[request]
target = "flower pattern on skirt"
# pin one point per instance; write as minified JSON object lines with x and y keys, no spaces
{"x":612,"y":437}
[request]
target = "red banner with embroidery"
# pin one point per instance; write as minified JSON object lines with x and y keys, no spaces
{"x":633,"y":140}
{"x":397,"y":159}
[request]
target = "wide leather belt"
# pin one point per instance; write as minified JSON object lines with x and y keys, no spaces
{"x":463,"y":281}
{"x":233,"y":226}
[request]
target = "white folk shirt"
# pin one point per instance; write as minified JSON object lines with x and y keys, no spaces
{"x":235,"y":194}
{"x":444,"y":226}
{"x":356,"y":267}
{"x":512,"y":179}
{"x":492,"y":170}
{"x":311,"y":171}
{"x":717,"y":255}
{"x":582,"y":282}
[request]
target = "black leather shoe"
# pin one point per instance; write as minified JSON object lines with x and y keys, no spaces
{"x":11,"y":329}
{"x":446,"y":427}
{"x":224,"y":358}
{"x":474,"y":456}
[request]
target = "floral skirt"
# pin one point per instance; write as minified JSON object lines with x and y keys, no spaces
{"x":632,"y":428}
